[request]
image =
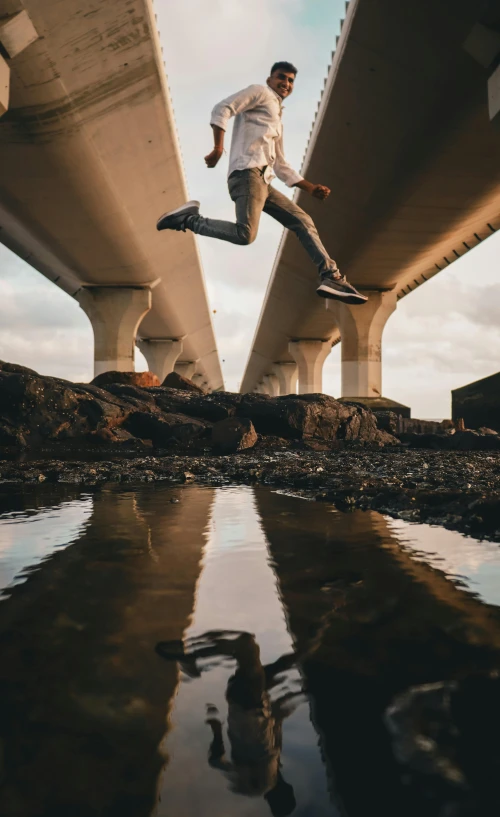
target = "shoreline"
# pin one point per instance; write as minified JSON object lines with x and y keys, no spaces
{"x":459,"y":490}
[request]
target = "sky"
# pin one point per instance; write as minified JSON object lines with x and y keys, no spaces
{"x":442,"y":336}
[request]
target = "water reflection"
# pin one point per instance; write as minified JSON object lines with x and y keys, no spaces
{"x":201,"y":652}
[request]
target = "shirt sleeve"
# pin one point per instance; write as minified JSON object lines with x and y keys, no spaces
{"x":235,"y":104}
{"x":283,"y":170}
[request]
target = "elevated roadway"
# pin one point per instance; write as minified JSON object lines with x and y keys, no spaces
{"x":404,"y":140}
{"x":89,"y":158}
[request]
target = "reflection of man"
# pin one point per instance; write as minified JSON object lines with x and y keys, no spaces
{"x":254,"y":722}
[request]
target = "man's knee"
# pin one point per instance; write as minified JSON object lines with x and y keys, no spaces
{"x":246,"y":234}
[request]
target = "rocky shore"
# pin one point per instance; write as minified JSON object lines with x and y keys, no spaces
{"x":89,"y":434}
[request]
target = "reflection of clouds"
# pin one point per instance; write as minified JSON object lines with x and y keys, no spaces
{"x":27,"y":538}
{"x":476,"y":563}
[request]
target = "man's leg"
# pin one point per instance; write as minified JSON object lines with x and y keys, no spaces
{"x":291,"y":216}
{"x":248,"y":190}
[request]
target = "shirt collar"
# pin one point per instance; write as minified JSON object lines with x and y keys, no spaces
{"x":277,"y":96}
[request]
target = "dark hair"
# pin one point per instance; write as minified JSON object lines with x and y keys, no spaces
{"x":284,"y":66}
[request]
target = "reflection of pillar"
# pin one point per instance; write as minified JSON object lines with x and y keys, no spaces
{"x":272,"y":385}
{"x":161,"y":355}
{"x":115,"y":314}
{"x":310,"y":356}
{"x":97,"y":696}
{"x":361,"y":329}
{"x":186,"y":368}
{"x":354,"y":631}
{"x":287,"y":374}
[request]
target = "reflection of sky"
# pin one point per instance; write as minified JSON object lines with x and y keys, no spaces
{"x":476,"y":563}
{"x":26,"y":538}
{"x":237,"y":590}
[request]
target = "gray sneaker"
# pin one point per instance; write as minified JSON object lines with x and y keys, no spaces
{"x":338,"y":288}
{"x":176,"y":219}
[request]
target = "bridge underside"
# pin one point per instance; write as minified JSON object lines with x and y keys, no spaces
{"x":89,"y":159}
{"x":404,"y":140}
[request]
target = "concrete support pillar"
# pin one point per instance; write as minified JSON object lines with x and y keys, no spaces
{"x":361,"y":329}
{"x":115,"y":314}
{"x":261,"y":388}
{"x":287,"y":374}
{"x":4,"y":85}
{"x":160,"y":354}
{"x":309,"y":356}
{"x":186,"y":368}
{"x":272,"y":385}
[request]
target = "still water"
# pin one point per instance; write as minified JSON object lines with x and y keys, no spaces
{"x":209,"y":652}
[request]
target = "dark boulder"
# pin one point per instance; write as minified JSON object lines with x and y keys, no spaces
{"x":311,"y":416}
{"x":14,"y":368}
{"x":140,"y":379}
{"x":459,"y":441}
{"x":166,"y":429}
{"x":177,"y":381}
{"x":212,"y":407}
{"x":233,"y":434}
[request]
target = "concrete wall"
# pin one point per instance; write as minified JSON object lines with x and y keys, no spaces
{"x":478,"y":403}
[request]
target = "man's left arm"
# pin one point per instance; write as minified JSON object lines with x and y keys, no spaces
{"x":291,"y":178}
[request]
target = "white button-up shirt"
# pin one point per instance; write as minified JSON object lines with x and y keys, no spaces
{"x":257,"y":134}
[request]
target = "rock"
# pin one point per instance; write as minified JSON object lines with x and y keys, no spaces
{"x":474,"y":441}
{"x":15,"y":368}
{"x":388,"y":421}
{"x":212,"y":407}
{"x":166,"y":429}
{"x":311,"y":416}
{"x":177,"y":381}
{"x":233,"y":434}
{"x":140,"y":379}
{"x":445,"y":737}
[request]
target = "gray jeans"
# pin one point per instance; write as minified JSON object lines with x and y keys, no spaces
{"x":251,"y":196}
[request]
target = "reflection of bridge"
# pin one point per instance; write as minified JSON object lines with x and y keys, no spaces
{"x":88,"y":160}
{"x":403,"y":138}
{"x":378,"y":622}
{"x":84,"y":699}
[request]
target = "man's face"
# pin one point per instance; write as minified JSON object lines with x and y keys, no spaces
{"x":281,"y":82}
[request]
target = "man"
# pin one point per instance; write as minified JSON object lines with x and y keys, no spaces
{"x":256,"y":158}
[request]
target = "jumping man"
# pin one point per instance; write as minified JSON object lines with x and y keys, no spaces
{"x":256,"y":158}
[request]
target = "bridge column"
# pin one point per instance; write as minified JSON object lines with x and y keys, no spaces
{"x":361,"y":329}
{"x":186,"y":368}
{"x":160,"y":354}
{"x":310,"y":356}
{"x":287,"y":374}
{"x":272,"y":385}
{"x":115,"y":314}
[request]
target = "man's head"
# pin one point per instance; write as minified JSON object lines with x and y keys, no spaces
{"x":282,"y":78}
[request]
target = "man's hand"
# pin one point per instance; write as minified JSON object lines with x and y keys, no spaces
{"x":213,"y":157}
{"x":319,"y":191}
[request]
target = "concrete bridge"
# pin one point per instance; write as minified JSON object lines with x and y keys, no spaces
{"x":404,"y":138}
{"x":89,"y":158}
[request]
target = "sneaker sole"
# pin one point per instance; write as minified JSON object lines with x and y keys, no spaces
{"x":191,"y":208}
{"x":346,"y":297}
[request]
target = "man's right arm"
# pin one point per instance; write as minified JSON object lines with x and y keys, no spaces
{"x":222,"y":113}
